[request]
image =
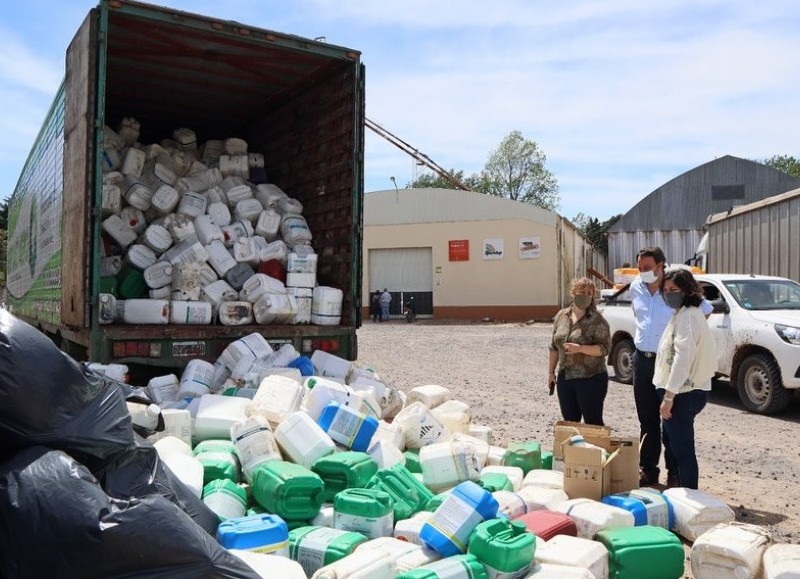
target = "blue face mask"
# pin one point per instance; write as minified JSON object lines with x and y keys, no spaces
{"x":674,"y":299}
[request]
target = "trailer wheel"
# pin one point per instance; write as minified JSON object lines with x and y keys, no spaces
{"x":622,"y":361}
{"x":759,"y":385}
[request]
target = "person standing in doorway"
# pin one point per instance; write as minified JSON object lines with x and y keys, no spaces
{"x":581,"y":339}
{"x":385,"y":300}
{"x":652,"y":315}
{"x":375,"y":305}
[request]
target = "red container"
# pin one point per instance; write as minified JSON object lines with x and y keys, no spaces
{"x":547,"y":524}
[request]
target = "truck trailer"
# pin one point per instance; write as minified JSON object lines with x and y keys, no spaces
{"x":298,"y":102}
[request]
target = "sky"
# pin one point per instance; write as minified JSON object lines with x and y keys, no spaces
{"x":620,"y":95}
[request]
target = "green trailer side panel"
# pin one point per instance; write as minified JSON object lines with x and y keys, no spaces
{"x":34,"y":240}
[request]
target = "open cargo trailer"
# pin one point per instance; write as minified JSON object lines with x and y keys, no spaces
{"x":297,"y":101}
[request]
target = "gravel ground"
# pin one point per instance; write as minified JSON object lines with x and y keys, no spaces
{"x":749,"y":461}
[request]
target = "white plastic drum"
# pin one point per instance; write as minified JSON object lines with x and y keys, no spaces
{"x":268,"y":224}
{"x":190,"y":313}
{"x":326,"y":306}
{"x":142,"y":311}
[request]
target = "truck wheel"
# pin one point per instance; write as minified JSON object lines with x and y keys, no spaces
{"x":759,"y":385}
{"x":622,"y":361}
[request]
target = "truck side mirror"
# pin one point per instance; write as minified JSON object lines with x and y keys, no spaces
{"x":720,"y":306}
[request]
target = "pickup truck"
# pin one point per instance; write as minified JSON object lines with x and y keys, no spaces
{"x":756,"y":327}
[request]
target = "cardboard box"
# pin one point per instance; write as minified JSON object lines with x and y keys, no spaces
{"x":564,"y":429}
{"x":587,"y":472}
{"x":622,"y":471}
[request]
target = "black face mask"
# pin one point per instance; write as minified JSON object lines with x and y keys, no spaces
{"x":674,"y":299}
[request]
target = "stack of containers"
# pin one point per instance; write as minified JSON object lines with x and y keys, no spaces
{"x":186,"y":227}
{"x":304,"y":455}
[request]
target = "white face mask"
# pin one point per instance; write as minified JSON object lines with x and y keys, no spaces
{"x":648,"y":276}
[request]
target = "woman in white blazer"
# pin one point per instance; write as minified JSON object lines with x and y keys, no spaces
{"x":685,"y":363}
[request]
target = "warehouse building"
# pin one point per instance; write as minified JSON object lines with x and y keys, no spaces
{"x":673,"y":216}
{"x":470,"y":256}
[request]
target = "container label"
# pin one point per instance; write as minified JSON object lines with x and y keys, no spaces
{"x":345,"y":425}
{"x":455,"y":519}
{"x":495,"y":574}
{"x":655,"y":506}
{"x":281,"y":549}
{"x":310,"y":550}
{"x":256,"y":446}
{"x":372,"y":527}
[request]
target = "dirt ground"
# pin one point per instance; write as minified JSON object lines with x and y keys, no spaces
{"x":749,"y":461}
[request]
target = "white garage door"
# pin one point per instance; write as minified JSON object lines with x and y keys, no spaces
{"x":406,"y":269}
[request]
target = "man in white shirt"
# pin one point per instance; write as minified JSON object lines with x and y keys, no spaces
{"x":652,"y":315}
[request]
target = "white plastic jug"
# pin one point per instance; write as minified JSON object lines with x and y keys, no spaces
{"x":220,"y":215}
{"x":189,"y":471}
{"x":568,"y":551}
{"x":420,"y":426}
{"x":392,"y":433}
{"x":246,"y":250}
{"x":270,"y":566}
{"x":593,"y":516}
{"x":163,"y":388}
{"x":207,"y":230}
{"x":187,"y":251}
{"x":186,"y":282}
{"x":269,"y":194}
{"x":730,"y":551}
{"x":160,"y":293}
{"x":274,"y":250}
{"x":140,"y":256}
{"x":302,"y":440}
{"x":514,"y":473}
{"x":385,"y":454}
{"x":196,"y":379}
{"x":249,"y":209}
{"x":544,"y":478}
{"x":219,"y":257}
{"x":302,"y":259}
{"x":268,"y":224}
{"x":158,"y":275}
{"x":302,"y":297}
{"x":258,"y":285}
{"x":112,"y":200}
{"x":144,"y":311}
{"x":288,"y":205}
{"x":275,"y":309}
{"x":326,"y":306}
{"x":182,"y":228}
{"x":782,"y":562}
{"x":190,"y":312}
{"x":374,"y":564}
{"x":304,"y":280}
{"x":431,"y":395}
{"x":192,"y":204}
{"x":277,"y":397}
{"x":157,"y":238}
{"x":330,"y":365}
{"x":696,"y":512}
{"x":218,"y":292}
{"x":406,"y":556}
{"x":217,"y":414}
{"x":446,"y":464}
{"x":454,"y":415}
{"x":123,"y":234}
{"x":236,"y":313}
{"x":165,"y":199}
{"x":136,"y":193}
{"x":235,"y":231}
{"x":133,"y":163}
{"x":177,"y":424}
{"x":294,"y":230}
{"x":408,"y":529}
{"x":255,"y":444}
{"x":134,"y":218}
{"x":481,"y":432}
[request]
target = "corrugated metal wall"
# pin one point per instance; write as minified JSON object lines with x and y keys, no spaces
{"x":678,"y":245}
{"x":577,"y":255}
{"x":673,"y":216}
{"x":765,"y":241}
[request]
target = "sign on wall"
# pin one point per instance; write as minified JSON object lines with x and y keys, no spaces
{"x":459,"y":249}
{"x":529,"y":248}
{"x":493,"y":248}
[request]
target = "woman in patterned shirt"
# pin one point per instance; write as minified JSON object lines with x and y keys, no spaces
{"x":580,"y":344}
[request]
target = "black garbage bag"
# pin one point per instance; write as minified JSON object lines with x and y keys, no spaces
{"x":46,"y":398}
{"x":57,"y":522}
{"x":139,"y":472}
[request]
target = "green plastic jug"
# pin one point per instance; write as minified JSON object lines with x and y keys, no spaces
{"x":412,"y":460}
{"x":526,"y":455}
{"x":107,"y":285}
{"x":495,"y":481}
{"x":344,"y":470}
{"x":503,"y":546}
{"x":436,"y":501}
{"x":314,"y":547}
{"x":642,"y":552}
{"x":547,"y":459}
{"x":366,"y":511}
{"x":131,"y":284}
{"x":219,"y":460}
{"x":288,"y":490}
{"x":409,"y":494}
{"x":455,"y":567}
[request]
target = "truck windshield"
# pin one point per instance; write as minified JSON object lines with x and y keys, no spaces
{"x":765,"y":294}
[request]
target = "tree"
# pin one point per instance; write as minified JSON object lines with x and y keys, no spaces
{"x":4,"y":214}
{"x":594,"y":230}
{"x":516,"y":170}
{"x":784,"y":163}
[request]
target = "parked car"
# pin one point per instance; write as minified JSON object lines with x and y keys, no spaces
{"x":756,"y":327}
